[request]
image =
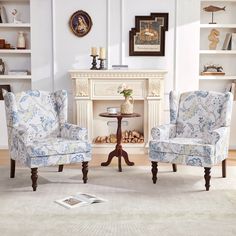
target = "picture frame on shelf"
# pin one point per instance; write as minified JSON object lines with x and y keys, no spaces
{"x":148,"y":36}
{"x":6,"y":87}
{"x":3,"y":15}
{"x":80,"y":23}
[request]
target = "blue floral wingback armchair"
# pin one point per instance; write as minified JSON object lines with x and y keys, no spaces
{"x":198,"y":133}
{"x":39,"y":134}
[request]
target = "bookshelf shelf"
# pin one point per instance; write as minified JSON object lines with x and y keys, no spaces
{"x":217,"y":52}
{"x":12,"y":25}
{"x":218,"y":1}
{"x":15,"y":77}
{"x":219,"y":26}
{"x":15,"y":51}
{"x":212,"y":77}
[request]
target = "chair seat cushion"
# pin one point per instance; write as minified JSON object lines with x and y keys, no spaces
{"x":56,"y":146}
{"x":184,"y":146}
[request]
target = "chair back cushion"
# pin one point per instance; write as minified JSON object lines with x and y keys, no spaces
{"x":202,"y":111}
{"x":39,"y":112}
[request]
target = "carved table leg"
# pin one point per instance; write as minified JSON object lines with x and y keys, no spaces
{"x":119,"y":164}
{"x":13,"y":166}
{"x":60,"y":168}
{"x":118,"y":152}
{"x":110,"y":157}
{"x":34,"y":177}
{"x":207,"y":177}
{"x":126,"y":158}
{"x":85,"y":171}
{"x":154,"y":171}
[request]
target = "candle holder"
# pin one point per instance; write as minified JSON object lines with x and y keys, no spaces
{"x":94,"y":63}
{"x":102,"y":64}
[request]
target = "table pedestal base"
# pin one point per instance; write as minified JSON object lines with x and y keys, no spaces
{"x":118,"y":152}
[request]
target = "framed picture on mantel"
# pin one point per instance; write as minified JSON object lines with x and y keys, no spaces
{"x":148,"y":36}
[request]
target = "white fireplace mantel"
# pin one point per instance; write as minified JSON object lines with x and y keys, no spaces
{"x":101,"y":85}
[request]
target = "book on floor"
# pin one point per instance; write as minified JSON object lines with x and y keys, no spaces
{"x":78,"y":200}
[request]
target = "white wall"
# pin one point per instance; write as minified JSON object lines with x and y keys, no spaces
{"x":112,"y":21}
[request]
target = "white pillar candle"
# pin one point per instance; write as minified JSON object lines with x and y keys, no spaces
{"x":102,"y":54}
{"x":93,"y":51}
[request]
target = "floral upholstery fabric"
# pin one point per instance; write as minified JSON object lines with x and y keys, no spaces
{"x":202,"y":130}
{"x":74,"y":132}
{"x":185,"y":146}
{"x":200,"y":112}
{"x":37,"y":129}
{"x":174,"y":105}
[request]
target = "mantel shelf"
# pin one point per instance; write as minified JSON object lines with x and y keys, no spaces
{"x":15,"y":51}
{"x":12,"y":25}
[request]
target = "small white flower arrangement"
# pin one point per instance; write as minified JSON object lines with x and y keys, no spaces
{"x":123,"y":89}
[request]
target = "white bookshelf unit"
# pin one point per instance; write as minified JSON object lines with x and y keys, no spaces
{"x":225,"y":23}
{"x":16,"y":59}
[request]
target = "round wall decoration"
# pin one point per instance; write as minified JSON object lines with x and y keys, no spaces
{"x":80,"y":23}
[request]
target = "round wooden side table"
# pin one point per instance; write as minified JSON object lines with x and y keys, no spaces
{"x":118,"y":152}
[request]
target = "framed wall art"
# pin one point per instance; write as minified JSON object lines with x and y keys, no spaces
{"x":80,"y":23}
{"x":148,"y":36}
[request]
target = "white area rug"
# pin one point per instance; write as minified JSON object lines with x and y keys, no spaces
{"x":176,"y":205}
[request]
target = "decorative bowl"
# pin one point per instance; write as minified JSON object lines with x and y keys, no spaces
{"x":113,"y":110}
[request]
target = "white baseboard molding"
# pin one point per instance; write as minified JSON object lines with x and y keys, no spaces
{"x":3,"y":147}
{"x":232,"y":147}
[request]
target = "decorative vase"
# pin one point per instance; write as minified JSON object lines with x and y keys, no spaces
{"x":127,"y":107}
{"x":21,"y":40}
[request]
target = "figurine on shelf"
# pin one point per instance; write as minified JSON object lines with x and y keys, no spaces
{"x":213,"y":38}
{"x":21,"y":44}
{"x":213,"y":9}
{"x":14,"y":14}
{"x":2,"y":67}
{"x":213,"y":69}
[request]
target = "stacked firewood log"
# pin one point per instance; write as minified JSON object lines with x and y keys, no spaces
{"x":127,"y":137}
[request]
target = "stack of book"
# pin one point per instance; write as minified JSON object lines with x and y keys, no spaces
{"x":230,"y":42}
{"x":232,"y":88}
{"x":18,"y":72}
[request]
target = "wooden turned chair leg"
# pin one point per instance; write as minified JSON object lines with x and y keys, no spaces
{"x":85,"y":171}
{"x":154,"y":171}
{"x":224,"y":168}
{"x":60,"y":168}
{"x":13,"y":166}
{"x":34,"y":177}
{"x":174,"y":166}
{"x":207,"y":177}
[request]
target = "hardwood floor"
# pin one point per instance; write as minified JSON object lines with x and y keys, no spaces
{"x":139,"y":160}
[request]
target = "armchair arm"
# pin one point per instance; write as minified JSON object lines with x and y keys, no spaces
{"x":219,"y":138}
{"x":20,"y":132}
{"x":71,"y":131}
{"x":213,"y":137}
{"x":164,"y":132}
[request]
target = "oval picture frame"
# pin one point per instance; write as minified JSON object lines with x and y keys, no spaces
{"x":80,"y":23}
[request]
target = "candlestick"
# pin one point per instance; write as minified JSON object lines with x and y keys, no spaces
{"x":102,"y":54}
{"x":93,"y":51}
{"x":94,"y":62}
{"x":102,"y":64}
